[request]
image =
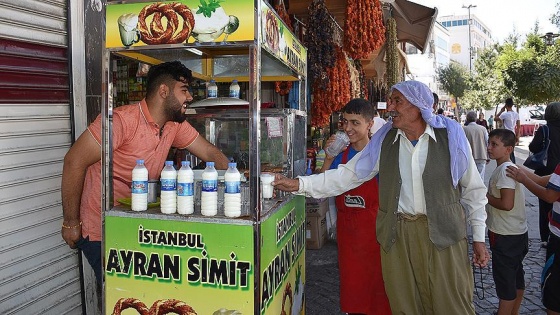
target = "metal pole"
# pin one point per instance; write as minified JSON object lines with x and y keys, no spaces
{"x":470,"y":45}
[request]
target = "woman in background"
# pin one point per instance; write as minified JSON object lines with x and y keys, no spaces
{"x":552,"y":117}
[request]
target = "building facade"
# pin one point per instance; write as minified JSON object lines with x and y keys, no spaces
{"x":423,"y":65}
{"x":464,"y":48}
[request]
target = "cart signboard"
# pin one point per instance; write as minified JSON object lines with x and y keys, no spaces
{"x":278,"y":40}
{"x":180,"y":21}
{"x":283,"y":260}
{"x":178,"y":265}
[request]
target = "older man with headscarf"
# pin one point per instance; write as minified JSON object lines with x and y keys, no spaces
{"x":425,"y":169}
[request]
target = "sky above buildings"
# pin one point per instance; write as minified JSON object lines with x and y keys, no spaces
{"x":502,"y":17}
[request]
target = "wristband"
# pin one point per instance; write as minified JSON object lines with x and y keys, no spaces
{"x":71,"y":227}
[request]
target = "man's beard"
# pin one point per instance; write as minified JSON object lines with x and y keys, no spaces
{"x":173,"y":109}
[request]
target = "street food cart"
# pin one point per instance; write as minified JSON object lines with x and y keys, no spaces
{"x":156,"y":263}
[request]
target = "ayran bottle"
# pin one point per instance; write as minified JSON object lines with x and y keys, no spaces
{"x":139,"y":196}
{"x":185,"y":189}
{"x":232,"y":195}
{"x":168,"y":196}
{"x":234,"y":90}
{"x":209,"y":194}
{"x":212,"y":89}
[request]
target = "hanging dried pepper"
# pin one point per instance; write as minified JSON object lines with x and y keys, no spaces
{"x":335,"y":96}
{"x":364,"y":31}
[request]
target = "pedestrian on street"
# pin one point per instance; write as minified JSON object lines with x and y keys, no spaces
{"x":478,"y":140}
{"x":510,"y":121}
{"x":425,"y":170}
{"x":481,"y":121}
{"x":360,"y":292}
{"x":145,"y":130}
{"x":547,"y":188}
{"x":507,"y":225}
{"x":491,"y":123}
{"x":552,"y":117}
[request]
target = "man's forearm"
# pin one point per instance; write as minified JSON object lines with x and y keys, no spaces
{"x":71,"y":191}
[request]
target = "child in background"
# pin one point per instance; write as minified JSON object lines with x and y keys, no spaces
{"x":507,"y":225}
{"x":547,"y":188}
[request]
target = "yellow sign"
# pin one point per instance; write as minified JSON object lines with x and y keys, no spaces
{"x":180,"y":21}
{"x":280,"y":42}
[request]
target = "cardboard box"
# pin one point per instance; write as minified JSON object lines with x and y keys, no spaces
{"x":316,"y":208}
{"x":316,"y":232}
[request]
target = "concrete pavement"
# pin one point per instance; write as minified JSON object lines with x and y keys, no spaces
{"x":322,"y":279}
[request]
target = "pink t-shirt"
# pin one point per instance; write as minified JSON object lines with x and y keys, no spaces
{"x":135,"y":136}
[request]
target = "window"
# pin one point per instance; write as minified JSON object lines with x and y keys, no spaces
{"x":465,"y":22}
{"x":454,"y":23}
{"x":460,"y":23}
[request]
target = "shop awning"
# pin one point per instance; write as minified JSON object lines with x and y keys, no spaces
{"x":414,"y":22}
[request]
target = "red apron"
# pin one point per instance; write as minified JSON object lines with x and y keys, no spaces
{"x":359,"y":261}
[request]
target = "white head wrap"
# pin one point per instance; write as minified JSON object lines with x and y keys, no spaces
{"x":419,"y":95}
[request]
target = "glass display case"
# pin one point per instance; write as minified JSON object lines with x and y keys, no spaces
{"x":215,"y":264}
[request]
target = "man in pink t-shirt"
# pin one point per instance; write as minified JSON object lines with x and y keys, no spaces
{"x":146,"y":130}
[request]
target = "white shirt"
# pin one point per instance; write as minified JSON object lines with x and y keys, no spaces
{"x":412,"y":160}
{"x":513,"y":222}
{"x":509,"y":119}
{"x":378,"y":122}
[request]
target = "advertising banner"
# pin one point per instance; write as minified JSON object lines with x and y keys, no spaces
{"x":180,"y":21}
{"x":283,"y":260}
{"x":162,"y":266}
{"x":280,"y":42}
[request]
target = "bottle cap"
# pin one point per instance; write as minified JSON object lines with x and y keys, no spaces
{"x":139,"y":161}
{"x":185,"y":163}
{"x":168,"y":163}
{"x":212,"y":81}
{"x":210,"y":164}
{"x":234,"y":81}
{"x":232,"y":165}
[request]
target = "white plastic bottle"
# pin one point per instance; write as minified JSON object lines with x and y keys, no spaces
{"x":185,"y":189}
{"x":212,"y":89}
{"x":209,"y":193}
{"x":139,"y":197}
{"x":232,"y":195}
{"x":168,"y":196}
{"x":234,"y":90}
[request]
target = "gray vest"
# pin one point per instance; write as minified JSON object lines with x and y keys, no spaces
{"x":446,"y":217}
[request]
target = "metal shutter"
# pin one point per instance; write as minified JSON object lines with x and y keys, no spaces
{"x":40,"y":274}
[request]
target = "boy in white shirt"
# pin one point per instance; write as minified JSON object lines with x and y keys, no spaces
{"x":507,"y":225}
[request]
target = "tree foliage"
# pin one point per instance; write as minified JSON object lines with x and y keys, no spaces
{"x":531,"y":73}
{"x":453,"y":78}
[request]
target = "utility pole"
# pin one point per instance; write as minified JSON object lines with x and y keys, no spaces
{"x":470,"y":45}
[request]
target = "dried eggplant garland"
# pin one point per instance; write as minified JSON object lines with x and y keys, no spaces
{"x":319,"y":41}
{"x":364,"y":31}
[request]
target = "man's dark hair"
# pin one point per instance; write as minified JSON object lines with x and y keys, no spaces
{"x":440,"y":111}
{"x":359,"y":106}
{"x":509,"y":102}
{"x":166,"y":73}
{"x":436,"y":98}
{"x":505,"y":135}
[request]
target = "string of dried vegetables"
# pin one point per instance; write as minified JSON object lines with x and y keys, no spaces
{"x":321,"y":53}
{"x":392,"y":54}
{"x":335,"y":96}
{"x":364,"y":31}
{"x":355,"y":86}
{"x":364,"y":93}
